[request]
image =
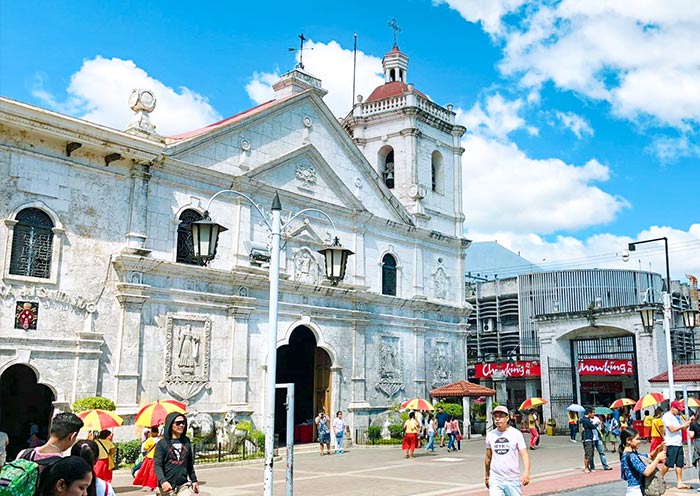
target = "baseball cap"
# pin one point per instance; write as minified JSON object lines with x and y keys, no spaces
{"x":500,"y":409}
{"x":677,"y":404}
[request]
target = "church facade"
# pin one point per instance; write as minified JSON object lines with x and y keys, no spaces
{"x":101,"y":293}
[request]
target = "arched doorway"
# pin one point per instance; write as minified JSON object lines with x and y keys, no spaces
{"x":309,"y":368}
{"x":23,"y":402}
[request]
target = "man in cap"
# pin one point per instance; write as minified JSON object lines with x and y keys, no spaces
{"x":505,"y":446}
{"x":673,"y":438}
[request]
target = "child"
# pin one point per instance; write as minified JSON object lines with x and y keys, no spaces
{"x":632,"y":466}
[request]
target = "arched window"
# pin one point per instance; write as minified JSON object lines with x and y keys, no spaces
{"x":389,"y":275}
{"x":32,"y":244}
{"x":185,"y":247}
{"x":386,"y":166}
{"x":392,"y":75}
{"x":437,"y":172}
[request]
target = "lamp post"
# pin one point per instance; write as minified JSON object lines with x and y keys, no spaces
{"x":205,"y":234}
{"x":647,"y":316}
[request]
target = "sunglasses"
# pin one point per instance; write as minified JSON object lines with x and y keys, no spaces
{"x":179,"y":422}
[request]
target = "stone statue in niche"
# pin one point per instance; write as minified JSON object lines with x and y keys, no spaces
{"x":441,"y":369}
{"x":390,"y":366}
{"x":306,"y":268}
{"x":188,"y":350}
{"x":440,"y":282}
{"x":187,"y":355}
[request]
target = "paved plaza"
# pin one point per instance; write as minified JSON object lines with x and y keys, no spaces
{"x":556,"y":468}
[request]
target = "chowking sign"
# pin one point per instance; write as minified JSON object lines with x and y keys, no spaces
{"x":515,"y":369}
{"x":598,"y":366}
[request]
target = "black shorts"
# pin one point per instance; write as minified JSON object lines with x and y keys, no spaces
{"x":674,"y":456}
{"x":588,"y":449}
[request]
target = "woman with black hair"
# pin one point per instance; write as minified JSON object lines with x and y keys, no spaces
{"x":89,"y":451}
{"x":69,"y":476}
{"x":633,"y":468}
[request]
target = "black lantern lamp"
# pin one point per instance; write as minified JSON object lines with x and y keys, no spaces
{"x":691,"y":318}
{"x":205,"y":237}
{"x":648,"y":314}
{"x":336,"y":261}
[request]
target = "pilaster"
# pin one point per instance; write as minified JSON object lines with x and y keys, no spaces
{"x":128,"y":372}
{"x":239,"y":354}
{"x":138,"y":211}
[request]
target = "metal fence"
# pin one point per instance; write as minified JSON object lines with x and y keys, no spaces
{"x":216,"y":452}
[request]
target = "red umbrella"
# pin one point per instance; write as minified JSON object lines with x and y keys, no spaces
{"x":417,"y":404}
{"x":98,"y":420}
{"x":533,"y":402}
{"x":648,"y":400}
{"x":622,"y":402}
{"x":155,"y":413}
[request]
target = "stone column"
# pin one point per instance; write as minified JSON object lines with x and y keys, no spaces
{"x":489,"y":409}
{"x":138,"y":211}
{"x":336,"y":389}
{"x":358,"y":396}
{"x":466,"y":407}
{"x":128,"y":374}
{"x":499,"y":384}
{"x":239,"y":355}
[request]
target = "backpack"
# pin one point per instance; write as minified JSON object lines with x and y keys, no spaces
{"x":654,"y":484}
{"x":21,"y":477}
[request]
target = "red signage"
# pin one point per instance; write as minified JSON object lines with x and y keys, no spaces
{"x":596,"y":366}
{"x":515,"y":369}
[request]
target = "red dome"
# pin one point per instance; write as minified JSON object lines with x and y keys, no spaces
{"x":394,"y":88}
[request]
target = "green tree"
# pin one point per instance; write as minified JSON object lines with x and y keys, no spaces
{"x":92,"y":403}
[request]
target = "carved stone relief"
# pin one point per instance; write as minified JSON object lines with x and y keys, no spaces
{"x":306,"y":175}
{"x":442,"y":372}
{"x":440,"y":282}
{"x":390,"y":361}
{"x":187,"y":361}
{"x":306,"y":266}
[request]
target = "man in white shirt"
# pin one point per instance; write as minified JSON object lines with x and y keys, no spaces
{"x":504,"y":446}
{"x":673,"y":438}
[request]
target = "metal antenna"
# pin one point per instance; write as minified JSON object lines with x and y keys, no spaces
{"x":301,"y":49}
{"x":395,"y":27}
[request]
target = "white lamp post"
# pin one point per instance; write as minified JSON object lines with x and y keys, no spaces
{"x":205,"y":234}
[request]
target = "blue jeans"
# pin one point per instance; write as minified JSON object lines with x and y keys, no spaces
{"x":339,"y":443}
{"x":431,"y":442}
{"x":599,"y":446}
{"x":451,"y":444}
{"x":501,"y":487}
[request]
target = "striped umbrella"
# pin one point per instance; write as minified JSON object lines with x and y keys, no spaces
{"x":533,"y":402}
{"x":417,"y":404}
{"x":692,"y":403}
{"x":155,"y":413}
{"x":648,"y":400}
{"x":99,"y":420}
{"x":622,"y":402}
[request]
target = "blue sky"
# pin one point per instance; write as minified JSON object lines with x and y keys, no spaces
{"x":583,"y":117}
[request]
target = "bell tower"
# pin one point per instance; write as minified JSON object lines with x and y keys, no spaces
{"x":413,"y":144}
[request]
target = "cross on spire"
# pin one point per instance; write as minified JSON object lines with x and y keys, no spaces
{"x":301,"y":49}
{"x":395,"y":27}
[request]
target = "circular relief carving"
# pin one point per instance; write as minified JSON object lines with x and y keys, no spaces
{"x":142,"y":100}
{"x":358,"y":182}
{"x":307,"y":121}
{"x":245,"y":145}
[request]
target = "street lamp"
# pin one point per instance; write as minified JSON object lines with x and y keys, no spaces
{"x":205,"y":234}
{"x":648,"y":312}
{"x":690,"y":318}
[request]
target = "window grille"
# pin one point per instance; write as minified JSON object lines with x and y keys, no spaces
{"x":389,"y":275}
{"x":185,"y":246}
{"x":32,"y":243}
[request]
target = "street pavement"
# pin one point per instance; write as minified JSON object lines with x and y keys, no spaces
{"x":557,"y":468}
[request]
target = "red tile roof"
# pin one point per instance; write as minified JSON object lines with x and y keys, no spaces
{"x":224,"y":122}
{"x":460,"y":389}
{"x":394,"y":88}
{"x":681,"y":373}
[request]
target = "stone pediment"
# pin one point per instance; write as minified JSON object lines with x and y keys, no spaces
{"x":305,"y":172}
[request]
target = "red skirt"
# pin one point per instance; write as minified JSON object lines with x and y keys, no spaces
{"x":410,"y":441}
{"x":102,"y":470}
{"x":146,"y":476}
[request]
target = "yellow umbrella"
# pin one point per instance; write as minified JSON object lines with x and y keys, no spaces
{"x":99,"y":420}
{"x":155,"y":413}
{"x":692,"y":403}
{"x":648,"y":400}
{"x":622,"y":402}
{"x":533,"y":402}
{"x":417,"y":404}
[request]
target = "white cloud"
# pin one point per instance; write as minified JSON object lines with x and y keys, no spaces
{"x":333,"y":65}
{"x":574,"y":122}
{"x":504,"y":189}
{"x":669,"y":149}
{"x":100,"y":90}
{"x":605,"y":250}
{"x":487,"y":12}
{"x":641,"y":57}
